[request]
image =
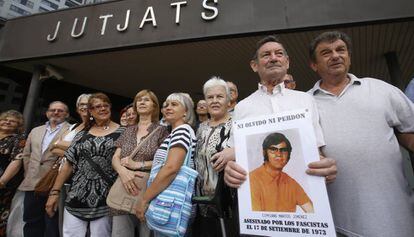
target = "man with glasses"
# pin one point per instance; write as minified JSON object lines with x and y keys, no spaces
{"x":290,"y":83}
{"x":234,"y":95}
{"x":271,"y":188}
{"x":38,"y":160}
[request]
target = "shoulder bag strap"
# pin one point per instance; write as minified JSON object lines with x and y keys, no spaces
{"x":93,"y":164}
{"x":134,"y":152}
{"x":99,"y":170}
{"x":187,"y":156}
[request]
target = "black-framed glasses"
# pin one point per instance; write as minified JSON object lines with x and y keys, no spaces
{"x":274,"y":150}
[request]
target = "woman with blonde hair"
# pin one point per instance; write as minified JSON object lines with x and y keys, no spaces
{"x":11,"y":144}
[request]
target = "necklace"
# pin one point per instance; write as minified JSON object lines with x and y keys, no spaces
{"x":104,"y":127}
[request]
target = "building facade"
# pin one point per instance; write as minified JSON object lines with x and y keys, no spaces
{"x":15,"y":8}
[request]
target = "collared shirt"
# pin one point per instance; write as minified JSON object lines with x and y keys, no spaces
{"x":275,"y":193}
{"x":49,"y":135}
{"x":261,"y":102}
{"x":370,"y":187}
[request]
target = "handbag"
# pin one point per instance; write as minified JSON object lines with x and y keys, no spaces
{"x":169,"y":212}
{"x":46,"y":183}
{"x":118,"y":198}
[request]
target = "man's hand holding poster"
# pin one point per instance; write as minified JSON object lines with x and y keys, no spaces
{"x":279,"y":198}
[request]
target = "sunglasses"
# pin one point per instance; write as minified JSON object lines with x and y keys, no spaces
{"x":274,"y":150}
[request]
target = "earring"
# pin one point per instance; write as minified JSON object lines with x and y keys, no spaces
{"x":91,"y":118}
{"x":185,"y":115}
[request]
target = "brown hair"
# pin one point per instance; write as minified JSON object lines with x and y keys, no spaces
{"x":155,"y":116}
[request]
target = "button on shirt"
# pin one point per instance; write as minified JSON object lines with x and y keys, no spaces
{"x":49,"y":135}
{"x":261,"y":102}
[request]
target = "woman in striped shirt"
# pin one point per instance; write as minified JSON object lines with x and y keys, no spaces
{"x":179,"y":113}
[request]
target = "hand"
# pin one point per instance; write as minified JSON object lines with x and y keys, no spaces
{"x":234,"y":174}
{"x":52,"y":205}
{"x":127,"y":178}
{"x":129,"y":163}
{"x":220,"y":159}
{"x":2,"y":185}
{"x":141,"y":209}
{"x":325,"y":167}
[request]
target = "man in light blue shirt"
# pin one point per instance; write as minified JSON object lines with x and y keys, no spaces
{"x":38,"y":159}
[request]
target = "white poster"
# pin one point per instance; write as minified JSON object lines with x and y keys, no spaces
{"x":278,"y":197}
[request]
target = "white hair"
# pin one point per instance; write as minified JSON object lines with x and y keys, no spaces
{"x":81,"y":97}
{"x":216,"y":81}
{"x":187,"y":102}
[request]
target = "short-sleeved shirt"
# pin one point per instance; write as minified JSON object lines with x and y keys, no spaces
{"x":370,"y":196}
{"x":275,"y":194}
{"x":182,"y":136}
{"x":128,"y":142}
{"x":281,"y":99}
{"x":86,"y":198}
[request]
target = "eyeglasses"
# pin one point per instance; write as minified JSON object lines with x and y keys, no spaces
{"x":83,"y":105}
{"x":9,"y":120}
{"x":101,"y":106}
{"x":274,"y":150}
{"x":288,"y":81}
{"x":56,"y":110}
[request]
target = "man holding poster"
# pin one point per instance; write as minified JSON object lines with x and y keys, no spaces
{"x":271,"y":62}
{"x":271,"y":188}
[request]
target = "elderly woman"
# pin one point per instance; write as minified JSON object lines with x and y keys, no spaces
{"x":60,"y":146}
{"x":212,"y":137}
{"x":148,"y":134}
{"x":179,"y":113}
{"x":89,"y":166}
{"x":11,"y":144}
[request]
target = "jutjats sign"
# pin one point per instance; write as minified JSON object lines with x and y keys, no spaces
{"x":115,"y":25}
{"x":210,"y":12}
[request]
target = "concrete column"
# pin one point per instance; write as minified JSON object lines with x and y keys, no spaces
{"x":394,"y":69}
{"x":32,"y":99}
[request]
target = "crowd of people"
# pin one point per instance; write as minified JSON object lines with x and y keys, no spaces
{"x":358,"y":124}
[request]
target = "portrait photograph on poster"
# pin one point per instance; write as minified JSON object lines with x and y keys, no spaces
{"x":279,"y":198}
